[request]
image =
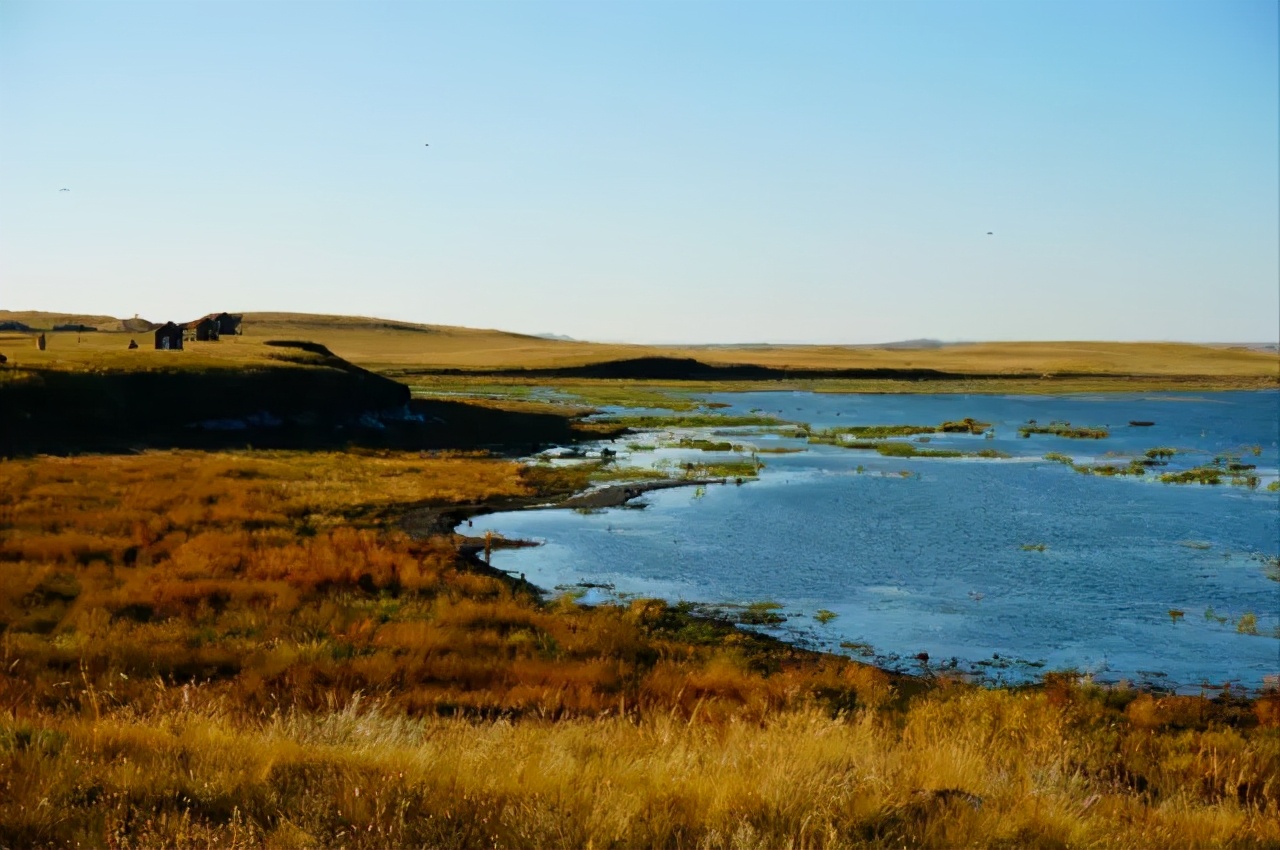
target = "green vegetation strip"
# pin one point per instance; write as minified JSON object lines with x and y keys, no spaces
{"x":1063,"y":429}
{"x":1225,"y":468}
{"x":835,"y":436}
{"x":707,"y":445}
{"x":692,"y":420}
{"x":897,"y":448}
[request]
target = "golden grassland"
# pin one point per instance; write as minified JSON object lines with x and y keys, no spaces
{"x":241,"y":649}
{"x":101,"y":352}
{"x":384,"y":345}
{"x":444,"y":347}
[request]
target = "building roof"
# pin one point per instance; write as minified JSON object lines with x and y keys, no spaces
{"x":214,"y":317}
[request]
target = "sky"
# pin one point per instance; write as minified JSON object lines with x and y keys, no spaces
{"x":664,"y":172}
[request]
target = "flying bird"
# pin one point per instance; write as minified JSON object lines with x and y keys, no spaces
{"x":989,"y":233}
{"x":64,"y":190}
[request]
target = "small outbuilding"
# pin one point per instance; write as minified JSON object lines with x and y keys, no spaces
{"x":228,"y":323}
{"x":202,"y":330}
{"x":169,"y":337}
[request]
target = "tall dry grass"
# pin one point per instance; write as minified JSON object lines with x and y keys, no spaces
{"x":240,"y":650}
{"x":986,"y":768}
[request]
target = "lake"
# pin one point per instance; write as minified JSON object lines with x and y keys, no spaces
{"x":999,"y":568}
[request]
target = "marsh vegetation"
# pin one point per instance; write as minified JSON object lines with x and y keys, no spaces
{"x":682,"y":541}
{"x":238,"y":650}
{"x":1063,"y":429}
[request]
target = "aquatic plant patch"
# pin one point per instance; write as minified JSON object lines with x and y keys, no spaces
{"x":1222,"y":469}
{"x":1063,"y":429}
{"x":967,"y":425}
{"x":692,"y":420}
{"x":707,"y":445}
{"x":839,"y":435}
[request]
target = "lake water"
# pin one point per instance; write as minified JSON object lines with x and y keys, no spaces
{"x":927,"y":554}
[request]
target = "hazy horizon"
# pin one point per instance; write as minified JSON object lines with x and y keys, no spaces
{"x":741,"y":343}
{"x":655,"y":172}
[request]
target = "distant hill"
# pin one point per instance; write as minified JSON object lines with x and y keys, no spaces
{"x":1246,"y":346}
{"x":37,"y":320}
{"x":323,"y":321}
{"x":913,"y":344}
{"x":136,"y":325}
{"x":404,"y":349}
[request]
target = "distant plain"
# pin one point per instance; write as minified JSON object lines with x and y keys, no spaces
{"x":402,"y":349}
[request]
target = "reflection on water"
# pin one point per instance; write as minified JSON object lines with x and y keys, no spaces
{"x":1003,"y":567}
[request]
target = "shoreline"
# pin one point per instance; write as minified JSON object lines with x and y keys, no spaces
{"x":426,"y":521}
{"x":471,"y":549}
{"x":961,"y":384}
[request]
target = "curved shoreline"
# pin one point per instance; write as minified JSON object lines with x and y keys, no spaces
{"x":999,"y":671}
{"x":431,"y":520}
{"x":426,"y":520}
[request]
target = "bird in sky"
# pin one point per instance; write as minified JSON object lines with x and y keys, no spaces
{"x":989,"y":233}
{"x":64,"y":190}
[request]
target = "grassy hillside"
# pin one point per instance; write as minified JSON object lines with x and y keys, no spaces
{"x":385,"y":345}
{"x":381,"y":345}
{"x":81,"y":399}
{"x":96,"y":395}
{"x":42,"y":321}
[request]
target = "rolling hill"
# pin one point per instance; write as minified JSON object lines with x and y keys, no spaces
{"x":400,"y":348}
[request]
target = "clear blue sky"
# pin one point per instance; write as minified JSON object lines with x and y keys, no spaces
{"x":696,"y":172}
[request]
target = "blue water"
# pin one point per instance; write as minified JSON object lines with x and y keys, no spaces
{"x":926,"y":554}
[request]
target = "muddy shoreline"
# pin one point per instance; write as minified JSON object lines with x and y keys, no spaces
{"x":430,"y":520}
{"x":426,"y":520}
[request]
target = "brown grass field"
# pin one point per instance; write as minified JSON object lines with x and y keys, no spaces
{"x":246,"y":649}
{"x":240,"y":649}
{"x":384,"y":345}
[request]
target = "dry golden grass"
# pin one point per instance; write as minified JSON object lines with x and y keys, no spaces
{"x":238,"y":650}
{"x":386,"y":345}
{"x":110,"y":352}
{"x":443,"y":347}
{"x":974,"y":768}
{"x":275,"y":576}
{"x":40,"y":320}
